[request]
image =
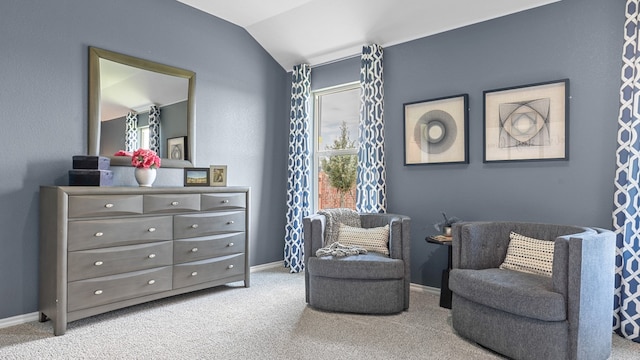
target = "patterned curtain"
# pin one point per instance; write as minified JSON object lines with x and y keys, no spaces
{"x":154,"y":128}
{"x":626,"y":213}
{"x":371,"y":181}
{"x":299,"y":168}
{"x":131,"y":132}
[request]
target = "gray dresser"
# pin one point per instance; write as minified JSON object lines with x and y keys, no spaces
{"x":104,"y":248}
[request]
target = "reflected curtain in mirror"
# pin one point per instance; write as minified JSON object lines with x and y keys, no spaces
{"x":154,"y":129}
{"x":131,"y":132}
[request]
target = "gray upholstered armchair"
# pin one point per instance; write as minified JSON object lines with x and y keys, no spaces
{"x":567,"y":315}
{"x":369,"y":283}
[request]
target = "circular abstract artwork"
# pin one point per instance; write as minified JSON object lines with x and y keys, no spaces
{"x":435,"y":131}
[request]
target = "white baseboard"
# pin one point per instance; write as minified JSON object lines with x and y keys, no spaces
{"x":25,"y":318}
{"x":425,"y":289}
{"x":19,"y":319}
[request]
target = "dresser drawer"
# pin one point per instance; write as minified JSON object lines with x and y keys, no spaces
{"x":85,"y":264}
{"x":88,"y":293}
{"x":161,"y":203}
{"x":207,"y":247}
{"x":223,"y":201}
{"x":207,"y":270}
{"x":91,"y":234}
{"x":195,"y":225}
{"x":104,"y":205}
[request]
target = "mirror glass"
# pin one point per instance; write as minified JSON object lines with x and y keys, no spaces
{"x":122,"y":86}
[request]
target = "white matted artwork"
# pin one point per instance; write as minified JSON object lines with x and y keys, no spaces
{"x":436,"y":131}
{"x":218,"y":175}
{"x":525,"y":123}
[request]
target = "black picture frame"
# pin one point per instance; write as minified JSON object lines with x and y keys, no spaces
{"x":196,"y":176}
{"x":436,"y":131}
{"x":177,"y":148}
{"x":527,"y":122}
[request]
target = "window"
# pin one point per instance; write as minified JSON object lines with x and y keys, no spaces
{"x":143,"y":136}
{"x":336,"y":117}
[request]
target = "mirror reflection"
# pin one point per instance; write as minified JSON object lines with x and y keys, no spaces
{"x":136,"y":103}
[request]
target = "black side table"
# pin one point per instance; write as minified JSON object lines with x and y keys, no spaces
{"x":445,"y":292}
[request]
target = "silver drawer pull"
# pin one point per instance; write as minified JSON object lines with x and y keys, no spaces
{"x":230,"y":245}
{"x":194,"y":226}
{"x":225,"y":201}
{"x":230,"y":266}
{"x":194,"y":273}
{"x":151,"y":282}
{"x":98,"y":263}
{"x":194,"y":249}
{"x":151,"y":256}
{"x":175,"y":203}
{"x":108,"y":206}
{"x":230,"y":222}
{"x":152,"y":229}
{"x":98,"y":234}
{"x":98,"y":292}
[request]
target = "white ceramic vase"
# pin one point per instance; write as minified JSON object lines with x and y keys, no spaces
{"x":145,"y":176}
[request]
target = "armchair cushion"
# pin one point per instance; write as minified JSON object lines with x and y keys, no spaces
{"x":515,"y":292}
{"x":364,"y":266}
{"x":372,"y":239}
{"x":529,"y":255}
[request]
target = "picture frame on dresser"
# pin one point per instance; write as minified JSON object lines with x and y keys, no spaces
{"x":527,"y":122}
{"x":218,"y":175}
{"x":195,"y":176}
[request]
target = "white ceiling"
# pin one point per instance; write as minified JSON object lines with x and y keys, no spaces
{"x":321,"y":31}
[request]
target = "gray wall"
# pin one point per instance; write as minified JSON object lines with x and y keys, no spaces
{"x":576,"y":39}
{"x":240,"y":119}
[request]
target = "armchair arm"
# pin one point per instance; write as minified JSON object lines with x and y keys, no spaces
{"x":313,"y":234}
{"x":586,"y":278}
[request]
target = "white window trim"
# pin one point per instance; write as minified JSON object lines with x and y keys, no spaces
{"x":316,"y":94}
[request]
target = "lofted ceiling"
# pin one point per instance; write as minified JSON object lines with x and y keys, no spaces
{"x":321,"y":31}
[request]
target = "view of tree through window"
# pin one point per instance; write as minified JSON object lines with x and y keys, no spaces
{"x":336,"y":115}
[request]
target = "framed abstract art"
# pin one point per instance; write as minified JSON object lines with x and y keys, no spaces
{"x":527,"y":123}
{"x":436,"y":131}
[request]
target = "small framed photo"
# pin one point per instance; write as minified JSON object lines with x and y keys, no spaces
{"x":176,"y":148}
{"x":196,"y":176}
{"x":218,"y":175}
{"x":436,"y":131}
{"x":527,"y":123}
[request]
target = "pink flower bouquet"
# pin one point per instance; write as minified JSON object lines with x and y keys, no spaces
{"x":144,"y":158}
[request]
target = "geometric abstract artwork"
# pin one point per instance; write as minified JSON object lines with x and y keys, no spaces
{"x":528,"y":122}
{"x":436,"y":131}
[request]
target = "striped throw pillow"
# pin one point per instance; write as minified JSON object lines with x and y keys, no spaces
{"x":529,"y":255}
{"x":372,"y":239}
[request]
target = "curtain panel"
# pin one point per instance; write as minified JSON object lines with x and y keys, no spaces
{"x":154,"y":128}
{"x":299,"y":167}
{"x":131,"y":132}
{"x":626,"y":213}
{"x":371,"y":176}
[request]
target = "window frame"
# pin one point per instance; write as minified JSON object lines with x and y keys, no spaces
{"x":316,"y":152}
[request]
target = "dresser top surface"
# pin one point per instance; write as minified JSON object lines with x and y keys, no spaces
{"x":114,"y":190}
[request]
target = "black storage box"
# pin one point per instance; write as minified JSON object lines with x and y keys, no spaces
{"x":91,"y":162}
{"x":90,"y":177}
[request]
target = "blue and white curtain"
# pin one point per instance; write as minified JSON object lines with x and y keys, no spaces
{"x":154,"y":128}
{"x":371,"y":177}
{"x":131,"y":132}
{"x":626,"y":213}
{"x":299,"y":167}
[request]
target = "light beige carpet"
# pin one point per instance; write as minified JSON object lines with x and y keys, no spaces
{"x":269,"y":320}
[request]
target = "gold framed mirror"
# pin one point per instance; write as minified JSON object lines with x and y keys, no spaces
{"x":102,"y":84}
